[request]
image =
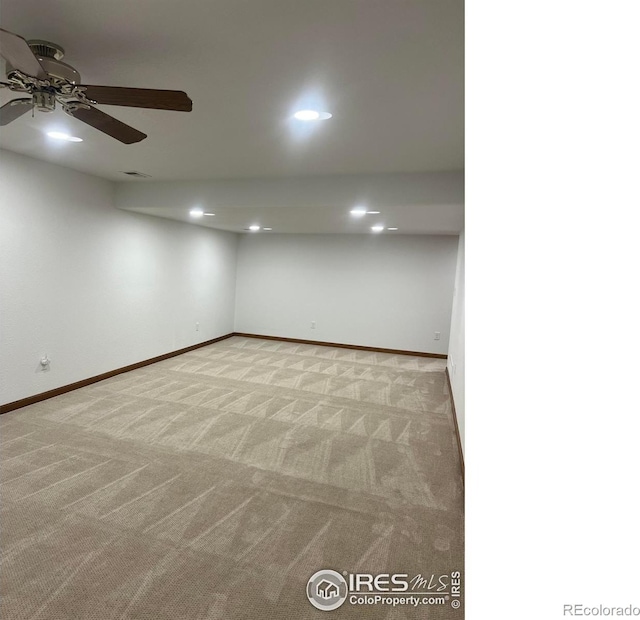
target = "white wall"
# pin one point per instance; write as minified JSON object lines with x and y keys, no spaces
{"x":94,"y":287}
{"x":455,"y":361}
{"x":375,"y":290}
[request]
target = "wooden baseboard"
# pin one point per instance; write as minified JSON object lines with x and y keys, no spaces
{"x":30,"y":400}
{"x":343,"y":346}
{"x":455,"y":422}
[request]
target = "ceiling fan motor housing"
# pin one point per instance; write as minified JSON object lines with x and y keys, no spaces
{"x":50,"y":56}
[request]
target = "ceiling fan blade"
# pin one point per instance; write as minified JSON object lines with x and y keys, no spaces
{"x":140,"y":97}
{"x":106,"y":124}
{"x":14,"y":109}
{"x":19,"y":55}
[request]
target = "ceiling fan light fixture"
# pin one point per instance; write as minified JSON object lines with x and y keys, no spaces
{"x":59,"y":135}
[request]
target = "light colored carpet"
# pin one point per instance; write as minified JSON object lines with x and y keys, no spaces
{"x":214,"y":484}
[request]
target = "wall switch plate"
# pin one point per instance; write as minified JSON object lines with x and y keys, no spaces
{"x":313,"y":324}
{"x":437,"y":336}
{"x":197,"y":327}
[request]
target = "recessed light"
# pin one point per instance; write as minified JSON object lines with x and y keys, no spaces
{"x":358,"y":212}
{"x":311,"y":115}
{"x":208,"y":213}
{"x":58,"y":135}
{"x":196,"y":213}
{"x":267,"y":229}
{"x":377,"y":228}
{"x":254,"y":227}
{"x":392,"y":229}
{"x":373,"y":212}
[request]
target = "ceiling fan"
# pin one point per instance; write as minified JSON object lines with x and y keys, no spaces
{"x":36,"y":68}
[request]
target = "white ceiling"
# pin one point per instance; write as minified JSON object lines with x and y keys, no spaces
{"x":390,"y":71}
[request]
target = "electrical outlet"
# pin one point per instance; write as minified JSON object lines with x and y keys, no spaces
{"x":197,"y":326}
{"x":313,"y":324}
{"x":436,"y":336}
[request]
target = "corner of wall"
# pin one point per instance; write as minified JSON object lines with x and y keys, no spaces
{"x":456,"y":355}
